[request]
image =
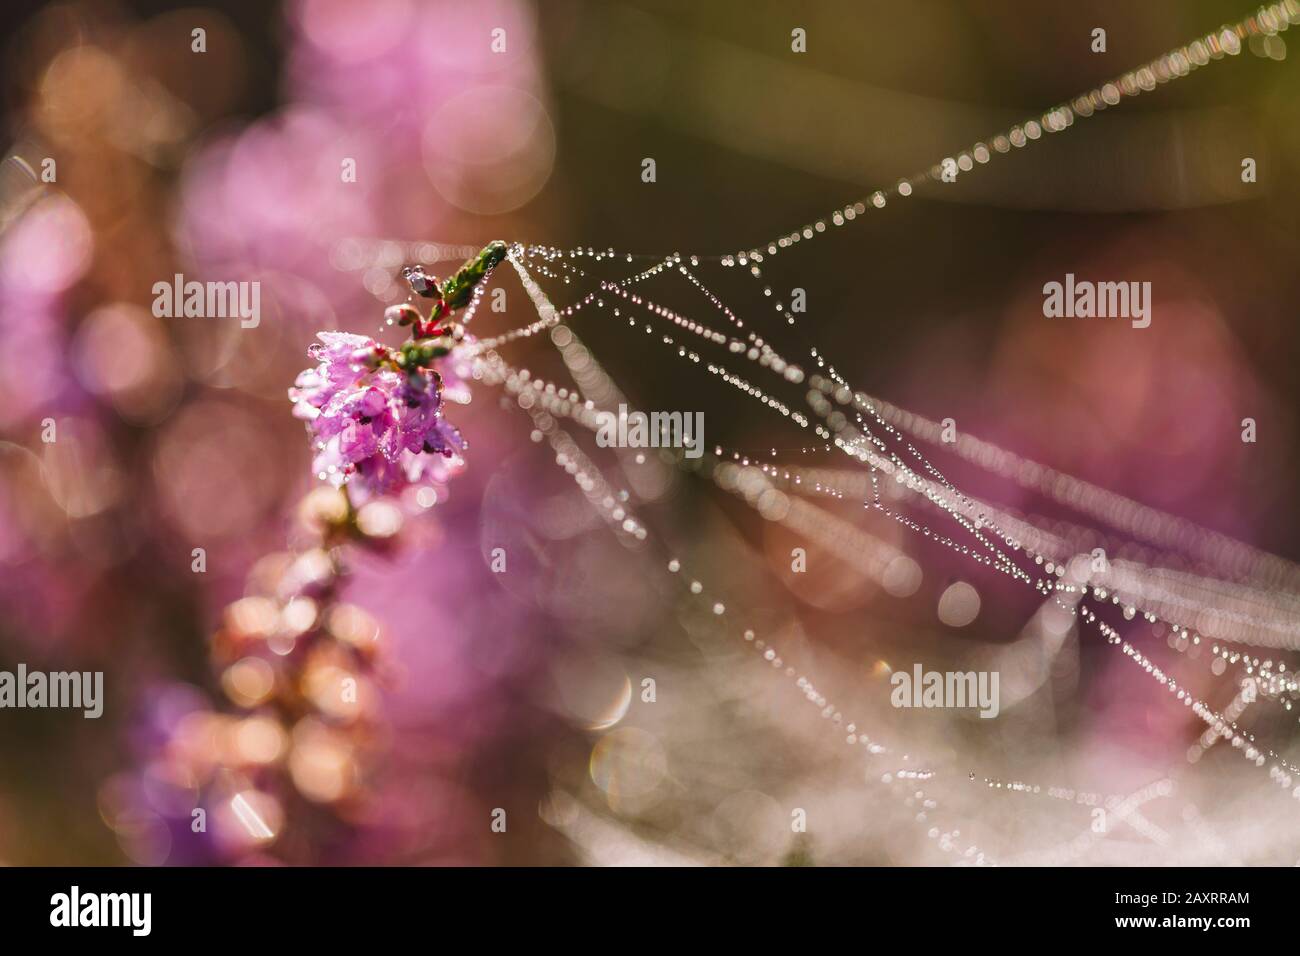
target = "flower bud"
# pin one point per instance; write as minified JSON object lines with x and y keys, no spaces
{"x":402,"y":314}
{"x":421,"y":282}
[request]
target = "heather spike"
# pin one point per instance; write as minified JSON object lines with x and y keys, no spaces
{"x":456,"y":291}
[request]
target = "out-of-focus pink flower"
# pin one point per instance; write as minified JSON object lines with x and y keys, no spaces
{"x":394,"y":63}
{"x":42,"y":256}
{"x":377,"y":427}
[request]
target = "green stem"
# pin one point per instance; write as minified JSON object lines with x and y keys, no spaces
{"x":457,"y":290}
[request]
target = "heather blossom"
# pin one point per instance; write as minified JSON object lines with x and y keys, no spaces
{"x":375,"y":414}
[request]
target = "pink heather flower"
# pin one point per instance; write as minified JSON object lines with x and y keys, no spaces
{"x":376,"y":428}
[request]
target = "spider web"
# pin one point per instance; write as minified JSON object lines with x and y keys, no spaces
{"x":1234,"y":598}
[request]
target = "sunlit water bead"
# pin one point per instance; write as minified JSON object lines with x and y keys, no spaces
{"x":1052,"y":121}
{"x":1279,"y":627}
{"x":718,"y":609}
{"x":1246,"y":743}
{"x":541,"y":395}
{"x":843,"y":395}
{"x":974,"y":527}
{"x":533,"y":328}
{"x":648,"y":478}
{"x":565,"y":272}
{"x":1266,"y":22}
{"x":1115,"y":802}
{"x":840,"y":393}
{"x":1121,"y":807}
{"x":1147,"y":580}
{"x":951,"y":500}
{"x":1268,"y":684}
{"x":542,"y":402}
{"x":587,"y":253}
{"x":491,"y":370}
{"x":1160,"y":595}
{"x":853,"y":736}
{"x":844,"y":483}
{"x":1140,"y":81}
{"x":1239,"y":560}
{"x":1171,"y":65}
{"x":793,"y":479}
{"x":830,"y":712}
{"x":736,"y":381}
{"x":568,"y":265}
{"x":1275,"y":629}
{"x":420,"y":283}
{"x":476,"y":296}
{"x":754,"y":347}
{"x":897,"y":573}
{"x":1281,"y":771}
{"x":1264,"y":680}
{"x":547,"y":314}
{"x":877,"y":560}
{"x":750,"y":260}
{"x":757,"y":349}
{"x":380,"y":259}
{"x":1232,"y":713}
{"x":1048,"y":489}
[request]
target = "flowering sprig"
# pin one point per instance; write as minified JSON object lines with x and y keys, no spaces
{"x":375,"y":412}
{"x":292,"y":767}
